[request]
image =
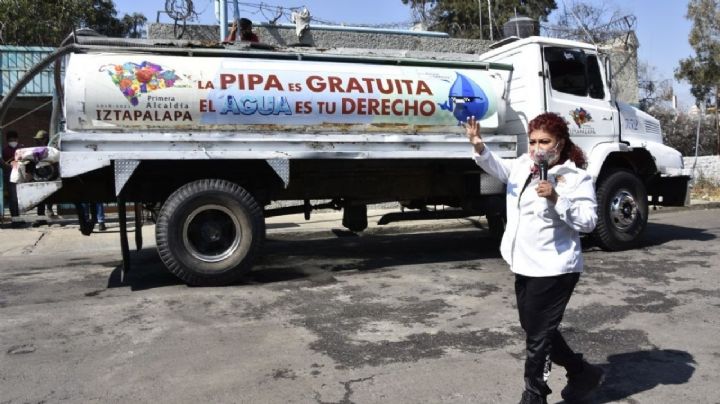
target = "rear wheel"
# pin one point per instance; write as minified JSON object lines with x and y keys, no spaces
{"x":622,"y":211}
{"x":209,"y":232}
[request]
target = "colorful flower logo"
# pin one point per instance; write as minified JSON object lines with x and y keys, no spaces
{"x":580,"y":116}
{"x":136,"y":79}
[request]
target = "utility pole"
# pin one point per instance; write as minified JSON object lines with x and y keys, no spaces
{"x":223,"y":20}
{"x":490,"y":19}
{"x":480,"y":16}
{"x":717,"y":121}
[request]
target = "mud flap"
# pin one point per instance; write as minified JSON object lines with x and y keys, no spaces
{"x":138,"y":226}
{"x":124,"y":248}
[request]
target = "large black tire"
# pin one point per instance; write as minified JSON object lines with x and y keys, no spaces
{"x":209,"y":232}
{"x":355,"y":217}
{"x":622,"y":211}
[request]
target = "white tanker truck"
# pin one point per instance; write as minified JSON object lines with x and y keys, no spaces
{"x":211,"y":137}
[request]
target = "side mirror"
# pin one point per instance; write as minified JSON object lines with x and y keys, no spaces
{"x":609,"y":76}
{"x":608,"y":71}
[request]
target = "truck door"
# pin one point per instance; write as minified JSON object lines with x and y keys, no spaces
{"x":574,"y":88}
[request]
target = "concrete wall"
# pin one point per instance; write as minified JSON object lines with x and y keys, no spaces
{"x":285,"y":36}
{"x":707,"y":167}
{"x":623,"y":53}
{"x":624,"y":62}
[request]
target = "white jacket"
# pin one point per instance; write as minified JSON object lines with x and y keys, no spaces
{"x":542,"y":238}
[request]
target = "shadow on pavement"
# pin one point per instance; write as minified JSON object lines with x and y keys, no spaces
{"x":372,"y":252}
{"x":281,"y":260}
{"x":146,"y":272}
{"x":660,"y":233}
{"x":634,"y":372}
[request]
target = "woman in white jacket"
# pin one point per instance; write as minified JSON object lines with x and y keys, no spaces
{"x":541,"y":244}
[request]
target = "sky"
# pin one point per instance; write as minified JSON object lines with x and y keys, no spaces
{"x":662,"y":28}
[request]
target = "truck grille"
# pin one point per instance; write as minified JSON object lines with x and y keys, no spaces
{"x":652,"y":127}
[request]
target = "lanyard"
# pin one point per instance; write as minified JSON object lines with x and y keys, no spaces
{"x":527,"y":182}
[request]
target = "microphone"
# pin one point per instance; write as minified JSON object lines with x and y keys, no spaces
{"x":542,"y":162}
{"x":543,"y":170}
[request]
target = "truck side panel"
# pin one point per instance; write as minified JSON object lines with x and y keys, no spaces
{"x":173,"y":93}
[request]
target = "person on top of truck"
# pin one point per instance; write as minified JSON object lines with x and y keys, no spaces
{"x":246,"y":33}
{"x":541,"y":244}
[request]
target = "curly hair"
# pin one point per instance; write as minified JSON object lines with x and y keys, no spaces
{"x":555,"y":125}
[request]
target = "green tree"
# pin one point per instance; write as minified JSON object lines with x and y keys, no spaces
{"x":462,"y":18}
{"x":135,"y":24}
{"x":101,"y":16}
{"x":703,"y":70}
{"x":653,"y":93}
{"x":29,"y":22}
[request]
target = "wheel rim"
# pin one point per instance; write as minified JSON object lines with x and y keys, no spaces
{"x":624,"y":210}
{"x":211,"y":233}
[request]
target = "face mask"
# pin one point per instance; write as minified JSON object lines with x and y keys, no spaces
{"x":13,"y":144}
{"x":550,"y":156}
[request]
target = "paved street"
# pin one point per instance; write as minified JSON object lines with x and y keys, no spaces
{"x":425,"y":315}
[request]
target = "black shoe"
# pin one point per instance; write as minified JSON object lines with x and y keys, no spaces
{"x":39,"y":223}
{"x":581,"y":385}
{"x":529,"y":397}
{"x":102,"y":227}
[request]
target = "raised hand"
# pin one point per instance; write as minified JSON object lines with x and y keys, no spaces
{"x":472,"y":130}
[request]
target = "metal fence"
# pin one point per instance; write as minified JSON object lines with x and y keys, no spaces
{"x":16,"y":60}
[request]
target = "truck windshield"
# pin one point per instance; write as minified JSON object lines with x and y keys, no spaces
{"x":574,"y":72}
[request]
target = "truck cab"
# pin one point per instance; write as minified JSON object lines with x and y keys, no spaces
{"x":626,"y":157}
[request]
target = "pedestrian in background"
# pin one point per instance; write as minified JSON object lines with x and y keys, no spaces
{"x":541,"y":244}
{"x":8,"y":156}
{"x":99,"y":214}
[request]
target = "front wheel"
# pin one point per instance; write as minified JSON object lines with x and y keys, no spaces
{"x":209,"y":231}
{"x":622,"y":211}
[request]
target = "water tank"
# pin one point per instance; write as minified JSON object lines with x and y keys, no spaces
{"x":521,"y":27}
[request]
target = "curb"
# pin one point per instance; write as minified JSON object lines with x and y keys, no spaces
{"x":670,"y":209}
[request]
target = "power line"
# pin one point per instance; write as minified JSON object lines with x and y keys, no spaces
{"x":617,"y":28}
{"x":274,"y":13}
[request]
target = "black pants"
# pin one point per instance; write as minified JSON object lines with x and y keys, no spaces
{"x":12,"y":198}
{"x":541,"y":303}
{"x":42,"y":208}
